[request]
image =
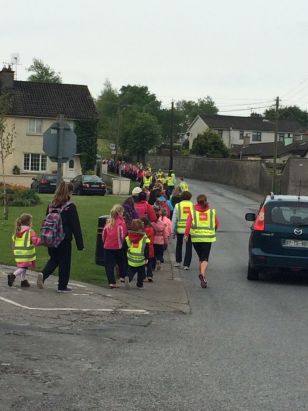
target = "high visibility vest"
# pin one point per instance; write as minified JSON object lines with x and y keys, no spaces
{"x":203,"y":226}
{"x":24,"y":251}
{"x":170,"y":181}
{"x":184,"y":208}
{"x":183,"y":186}
{"x":135,"y":252}
{"x":147,"y":181}
{"x":162,"y":180}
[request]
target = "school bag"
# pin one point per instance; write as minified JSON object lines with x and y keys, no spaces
{"x":52,"y":233}
{"x":141,"y":209}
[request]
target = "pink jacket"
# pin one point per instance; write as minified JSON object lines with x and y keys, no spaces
{"x":168,"y":225}
{"x":35,"y":240}
{"x":113,"y":237}
{"x":160,"y":232}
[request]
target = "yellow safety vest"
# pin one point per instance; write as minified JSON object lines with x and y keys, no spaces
{"x":147,"y":181}
{"x":170,"y":181}
{"x":135,"y":252}
{"x":203,"y":226}
{"x":183,"y":186}
{"x":183,"y":209}
{"x":162,"y":180}
{"x":24,"y":251}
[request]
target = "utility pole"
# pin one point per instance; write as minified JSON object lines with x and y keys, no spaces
{"x":118,"y":132}
{"x":274,"y":179}
{"x":60,"y":150}
{"x":171,"y":137}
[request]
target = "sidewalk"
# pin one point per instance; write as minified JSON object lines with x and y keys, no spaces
{"x":165,"y":294}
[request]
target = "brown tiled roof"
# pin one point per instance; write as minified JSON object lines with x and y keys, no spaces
{"x":32,"y":99}
{"x":248,"y":123}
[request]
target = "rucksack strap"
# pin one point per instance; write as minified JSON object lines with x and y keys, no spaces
{"x":58,"y":209}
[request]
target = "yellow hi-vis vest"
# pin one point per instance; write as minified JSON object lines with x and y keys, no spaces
{"x":203,"y":226}
{"x":147,"y":181}
{"x":24,"y":251}
{"x":135,"y":252}
{"x":183,"y":186}
{"x":170,"y":181}
{"x":183,"y":209}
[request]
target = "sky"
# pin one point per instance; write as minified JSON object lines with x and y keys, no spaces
{"x":241,"y":53}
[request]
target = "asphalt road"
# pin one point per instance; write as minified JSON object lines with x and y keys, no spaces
{"x":242,"y":347}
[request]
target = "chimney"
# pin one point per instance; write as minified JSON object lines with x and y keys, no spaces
{"x":246,"y":141}
{"x":6,"y":78}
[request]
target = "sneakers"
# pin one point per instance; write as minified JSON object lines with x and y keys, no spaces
{"x":24,"y":283}
{"x":150,"y":279}
{"x":185,"y":267}
{"x":39,"y":281}
{"x":10,"y":279}
{"x":158,"y":265}
{"x":177,"y":265}
{"x":127,"y":284}
{"x":113,"y":286}
{"x":65,"y":290}
{"x":203,"y":281}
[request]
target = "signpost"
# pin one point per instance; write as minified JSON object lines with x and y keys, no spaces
{"x":59,"y":143}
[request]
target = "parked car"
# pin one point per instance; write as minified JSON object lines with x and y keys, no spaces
{"x":89,"y":184}
{"x":44,"y":183}
{"x":279,"y":235}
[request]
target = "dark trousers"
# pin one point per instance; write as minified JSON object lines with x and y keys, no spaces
{"x":140,"y":274}
{"x":178,"y":250}
{"x":159,"y":254}
{"x":113,"y":258}
{"x":59,"y":257}
{"x":150,"y":267}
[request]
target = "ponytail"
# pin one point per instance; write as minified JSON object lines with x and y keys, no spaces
{"x":24,"y":219}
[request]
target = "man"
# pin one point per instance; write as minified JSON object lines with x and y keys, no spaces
{"x":183,"y":185}
{"x":171,"y":181}
{"x":180,"y":214}
{"x":147,"y":180}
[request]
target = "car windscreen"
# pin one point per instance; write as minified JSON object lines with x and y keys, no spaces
{"x":91,"y":179}
{"x":50,"y":178}
{"x":294,"y":214}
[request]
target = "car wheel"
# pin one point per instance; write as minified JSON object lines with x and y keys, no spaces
{"x":252,"y":273}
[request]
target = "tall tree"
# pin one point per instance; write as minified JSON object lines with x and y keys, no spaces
{"x":107,"y":105}
{"x":288,"y":113}
{"x":139,"y":98}
{"x":209,"y":144}
{"x":7,"y":136}
{"x":42,"y":73}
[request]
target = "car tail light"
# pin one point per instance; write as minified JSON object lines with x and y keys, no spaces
{"x":259,"y":223}
{"x":44,"y":181}
{"x":85,"y":185}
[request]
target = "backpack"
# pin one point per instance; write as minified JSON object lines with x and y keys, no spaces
{"x":52,"y":233}
{"x":141,"y":209}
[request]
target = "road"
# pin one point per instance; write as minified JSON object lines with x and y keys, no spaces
{"x":242,"y":347}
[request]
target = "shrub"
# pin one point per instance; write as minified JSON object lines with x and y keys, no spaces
{"x":21,"y":198}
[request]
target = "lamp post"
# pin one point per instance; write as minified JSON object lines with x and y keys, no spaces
{"x":274,"y":178}
{"x":171,"y":137}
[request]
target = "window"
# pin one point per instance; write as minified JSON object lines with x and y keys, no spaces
{"x":35,"y":162}
{"x":71,"y":164}
{"x":281,"y":137}
{"x":35,"y":125}
{"x":219,"y":132}
{"x":256,"y":136}
{"x":241,"y":134}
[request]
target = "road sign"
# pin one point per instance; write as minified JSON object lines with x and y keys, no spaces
{"x":112,"y":146}
{"x":113,"y":152}
{"x":59,"y":144}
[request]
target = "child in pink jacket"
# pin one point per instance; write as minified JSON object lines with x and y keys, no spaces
{"x":160,"y":240}
{"x":167,"y":223}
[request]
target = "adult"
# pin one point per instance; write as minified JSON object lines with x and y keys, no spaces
{"x":61,"y":256}
{"x":129,"y":213}
{"x":183,"y":185}
{"x":181,"y":212}
{"x":142,"y":207}
{"x":147,"y":181}
{"x":201,"y":225}
{"x":171,"y":181}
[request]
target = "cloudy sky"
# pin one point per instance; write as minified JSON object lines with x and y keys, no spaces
{"x":241,"y":53}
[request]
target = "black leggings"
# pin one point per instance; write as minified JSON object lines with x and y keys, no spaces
{"x":203,"y":250}
{"x":59,"y":257}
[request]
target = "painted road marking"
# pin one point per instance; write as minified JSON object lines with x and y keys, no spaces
{"x":107,"y":310}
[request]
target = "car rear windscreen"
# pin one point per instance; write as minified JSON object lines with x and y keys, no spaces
{"x":91,"y":179}
{"x":295,"y":214}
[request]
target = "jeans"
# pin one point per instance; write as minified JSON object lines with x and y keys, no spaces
{"x":178,"y":250}
{"x":150,"y":267}
{"x":159,"y":254}
{"x":113,"y":258}
{"x":140,"y":274}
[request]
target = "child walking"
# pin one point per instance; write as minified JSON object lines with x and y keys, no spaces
{"x":24,"y":241}
{"x":149,"y":231}
{"x":160,"y":240}
{"x":136,"y":246}
{"x":113,"y":237}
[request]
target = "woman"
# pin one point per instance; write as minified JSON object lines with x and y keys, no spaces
{"x":202,"y":224}
{"x":61,"y":256}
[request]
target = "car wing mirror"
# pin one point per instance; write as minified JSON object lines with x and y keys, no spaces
{"x":250,"y":217}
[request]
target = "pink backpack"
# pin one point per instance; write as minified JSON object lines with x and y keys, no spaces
{"x":52,"y":233}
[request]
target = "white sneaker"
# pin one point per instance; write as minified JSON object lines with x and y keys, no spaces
{"x":39,"y":281}
{"x":127,"y":284}
{"x":185,"y":267}
{"x":177,"y":265}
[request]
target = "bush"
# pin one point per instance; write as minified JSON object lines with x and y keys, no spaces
{"x":20,"y":198}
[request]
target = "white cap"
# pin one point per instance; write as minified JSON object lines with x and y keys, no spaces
{"x":136,"y":191}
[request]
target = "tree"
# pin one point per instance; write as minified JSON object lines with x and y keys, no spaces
{"x":86,"y":132}
{"x":209,"y":144}
{"x":7,"y":136}
{"x":288,"y":113}
{"x":190,"y":109}
{"x":42,"y":73}
{"x":107,"y":105}
{"x":139,"y":98}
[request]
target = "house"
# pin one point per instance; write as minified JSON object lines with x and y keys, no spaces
{"x":235,"y":130}
{"x":35,"y":106}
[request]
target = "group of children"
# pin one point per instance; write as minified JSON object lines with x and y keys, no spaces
{"x":137,"y":248}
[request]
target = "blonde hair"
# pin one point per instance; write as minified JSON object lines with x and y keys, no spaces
{"x":116,"y":210}
{"x":62,"y":194}
{"x":24,"y":219}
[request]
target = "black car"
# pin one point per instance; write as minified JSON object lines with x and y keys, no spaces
{"x":44,"y":183}
{"x":279,"y":235}
{"x":89,"y":184}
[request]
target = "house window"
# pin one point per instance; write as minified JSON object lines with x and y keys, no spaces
{"x":71,"y":164}
{"x":35,"y":125}
{"x":241,"y":134}
{"x":35,"y":162}
{"x":281,"y":137}
{"x":219,"y":132}
{"x":256,"y":136}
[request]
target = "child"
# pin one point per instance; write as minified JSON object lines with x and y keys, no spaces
{"x":167,"y":223}
{"x":113,"y":237}
{"x":24,"y":241}
{"x":148,"y":229}
{"x":137,"y":247}
{"x":160,"y":240}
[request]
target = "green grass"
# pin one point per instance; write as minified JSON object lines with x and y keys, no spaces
{"x":83,"y":262}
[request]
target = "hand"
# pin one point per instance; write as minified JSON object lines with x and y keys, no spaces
{"x":173,"y":235}
{"x":146,"y":261}
{"x":185,"y":238}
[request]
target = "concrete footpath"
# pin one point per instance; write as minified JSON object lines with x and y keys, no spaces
{"x":165,"y":294}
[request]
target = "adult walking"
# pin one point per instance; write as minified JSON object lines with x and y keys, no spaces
{"x":180,"y":214}
{"x":61,"y":256}
{"x":201,"y":225}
